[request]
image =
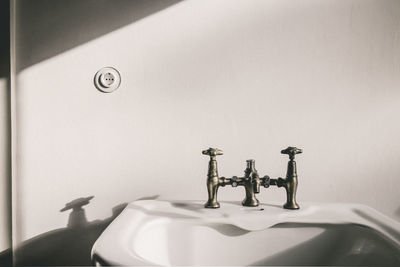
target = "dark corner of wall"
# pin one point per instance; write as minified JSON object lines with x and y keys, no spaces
{"x":5,"y":39}
{"x":5,"y":106}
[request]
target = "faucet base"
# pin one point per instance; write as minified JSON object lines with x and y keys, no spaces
{"x":212,"y":204}
{"x":291,"y":206}
{"x":250,"y":202}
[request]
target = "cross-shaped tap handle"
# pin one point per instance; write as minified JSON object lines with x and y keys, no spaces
{"x":212,"y":152}
{"x":292,"y":151}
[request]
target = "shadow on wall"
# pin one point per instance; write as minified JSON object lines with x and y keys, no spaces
{"x":5,"y":132}
{"x":46,"y":28}
{"x":5,"y":39}
{"x":67,"y":246}
{"x":397,"y":213}
{"x":6,"y":258}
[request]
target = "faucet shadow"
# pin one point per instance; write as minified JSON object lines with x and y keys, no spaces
{"x":70,"y":246}
{"x":46,"y":28}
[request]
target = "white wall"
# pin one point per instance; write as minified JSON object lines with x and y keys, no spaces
{"x":248,"y":77}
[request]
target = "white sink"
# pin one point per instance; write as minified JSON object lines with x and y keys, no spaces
{"x":157,"y":232}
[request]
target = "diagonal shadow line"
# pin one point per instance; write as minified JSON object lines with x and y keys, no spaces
{"x":45,"y":28}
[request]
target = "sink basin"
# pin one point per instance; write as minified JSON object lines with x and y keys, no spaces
{"x":160,"y":232}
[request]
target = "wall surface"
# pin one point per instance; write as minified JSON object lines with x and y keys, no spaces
{"x":249,"y":77}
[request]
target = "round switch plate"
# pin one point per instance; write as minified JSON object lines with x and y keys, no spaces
{"x":107,"y":80}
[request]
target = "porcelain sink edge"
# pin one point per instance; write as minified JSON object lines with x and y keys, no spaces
{"x":193,"y":212}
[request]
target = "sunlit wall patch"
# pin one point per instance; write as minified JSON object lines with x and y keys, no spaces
{"x":107,"y":80}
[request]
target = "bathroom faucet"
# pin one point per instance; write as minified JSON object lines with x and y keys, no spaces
{"x":251,"y":181}
{"x":213,"y":181}
{"x":290,"y":183}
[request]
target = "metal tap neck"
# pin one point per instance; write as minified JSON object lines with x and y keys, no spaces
{"x":251,"y":166}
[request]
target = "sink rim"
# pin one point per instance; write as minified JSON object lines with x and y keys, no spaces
{"x":231,"y":212}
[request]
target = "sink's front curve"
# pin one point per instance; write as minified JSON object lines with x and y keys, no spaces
{"x":283,"y":244}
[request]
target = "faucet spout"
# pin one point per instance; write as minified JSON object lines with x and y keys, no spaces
{"x":251,"y":184}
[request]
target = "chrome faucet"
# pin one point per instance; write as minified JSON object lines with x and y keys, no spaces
{"x":251,"y":180}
